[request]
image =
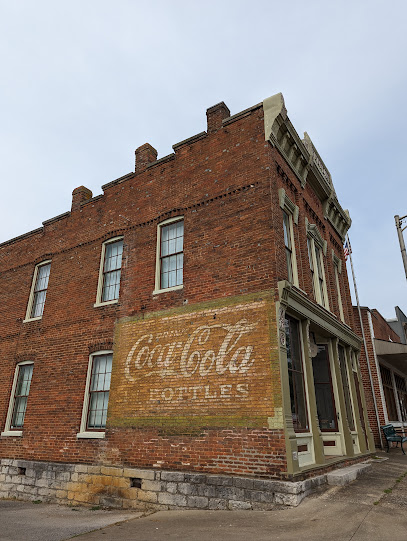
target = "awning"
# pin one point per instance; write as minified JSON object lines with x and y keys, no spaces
{"x":392,"y":352}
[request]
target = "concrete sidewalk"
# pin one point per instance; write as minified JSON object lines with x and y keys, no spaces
{"x":371,"y":508}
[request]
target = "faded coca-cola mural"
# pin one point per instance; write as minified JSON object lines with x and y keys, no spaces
{"x":198,"y":361}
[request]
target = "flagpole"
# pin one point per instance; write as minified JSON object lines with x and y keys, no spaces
{"x":364,"y":340}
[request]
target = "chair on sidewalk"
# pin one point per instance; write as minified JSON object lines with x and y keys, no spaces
{"x":391,"y":435}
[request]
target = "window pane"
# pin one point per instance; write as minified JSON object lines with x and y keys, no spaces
{"x":171,"y":246}
{"x":289,"y":265}
{"x":311,"y":263}
{"x":42,"y":277}
{"x":111,"y":286}
{"x":286,"y":226}
{"x":113,"y":256}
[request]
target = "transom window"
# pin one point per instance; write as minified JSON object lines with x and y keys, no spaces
{"x":38,"y":292}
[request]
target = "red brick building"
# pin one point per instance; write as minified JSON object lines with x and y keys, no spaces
{"x":387,"y":360}
{"x":194,"y":319}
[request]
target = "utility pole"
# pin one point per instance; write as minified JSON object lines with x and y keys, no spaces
{"x":400,"y":230}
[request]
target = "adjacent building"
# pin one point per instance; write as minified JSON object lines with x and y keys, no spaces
{"x":185,"y":338}
{"x":386,"y":386}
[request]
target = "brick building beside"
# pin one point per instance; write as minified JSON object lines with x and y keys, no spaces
{"x":188,"y":330}
{"x":387,"y":359}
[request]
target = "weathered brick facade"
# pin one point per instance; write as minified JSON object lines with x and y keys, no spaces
{"x":199,"y":380}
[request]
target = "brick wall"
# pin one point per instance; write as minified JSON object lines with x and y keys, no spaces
{"x":225,"y":185}
{"x":367,"y":387}
{"x":382,"y":329}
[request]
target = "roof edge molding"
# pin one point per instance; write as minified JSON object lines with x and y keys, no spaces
{"x":304,"y":160}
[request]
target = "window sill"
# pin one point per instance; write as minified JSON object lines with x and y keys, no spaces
{"x":32,"y":319}
{"x":106,"y":303}
{"x":90,"y":435}
{"x":174,"y":288}
{"x":15,"y":433}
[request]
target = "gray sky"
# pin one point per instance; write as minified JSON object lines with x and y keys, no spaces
{"x":83,"y":83}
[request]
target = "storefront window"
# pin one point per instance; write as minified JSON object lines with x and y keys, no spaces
{"x":389,"y":394}
{"x":296,"y":374}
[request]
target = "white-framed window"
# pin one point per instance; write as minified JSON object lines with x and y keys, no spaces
{"x":290,"y":217}
{"x":18,"y":399}
{"x":38,"y":293}
{"x":337,"y":270}
{"x":169,"y":273}
{"x":316,"y":252}
{"x":96,"y":399}
{"x":110,"y":272}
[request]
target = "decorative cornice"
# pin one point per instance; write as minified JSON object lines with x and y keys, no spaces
{"x":294,"y":300}
{"x":304,"y":160}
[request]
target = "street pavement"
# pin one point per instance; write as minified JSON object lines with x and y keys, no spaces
{"x":374,"y":507}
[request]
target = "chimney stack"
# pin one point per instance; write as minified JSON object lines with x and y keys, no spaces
{"x":215,"y":115}
{"x":80,"y":195}
{"x":145,"y":155}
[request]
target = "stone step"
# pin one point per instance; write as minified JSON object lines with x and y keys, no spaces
{"x":344,"y":476}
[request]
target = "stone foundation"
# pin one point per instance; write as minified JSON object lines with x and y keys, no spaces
{"x":134,"y":488}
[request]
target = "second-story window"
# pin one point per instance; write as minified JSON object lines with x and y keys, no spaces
{"x":38,"y":292}
{"x":337,"y":270}
{"x":316,"y":248}
{"x":170,"y":255}
{"x":290,"y":217}
{"x":110,"y":271}
{"x":288,"y":246}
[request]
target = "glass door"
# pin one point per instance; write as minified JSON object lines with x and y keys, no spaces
{"x":328,"y":421}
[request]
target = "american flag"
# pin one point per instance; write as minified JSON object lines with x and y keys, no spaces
{"x":347,"y":249}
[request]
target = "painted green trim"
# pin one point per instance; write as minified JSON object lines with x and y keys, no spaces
{"x":304,"y":161}
{"x":343,"y":419}
{"x":296,"y":301}
{"x":312,"y":402}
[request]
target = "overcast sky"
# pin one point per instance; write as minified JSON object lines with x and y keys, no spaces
{"x":85,"y":82}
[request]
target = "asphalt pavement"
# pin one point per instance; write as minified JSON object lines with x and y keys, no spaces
{"x":374,"y":507}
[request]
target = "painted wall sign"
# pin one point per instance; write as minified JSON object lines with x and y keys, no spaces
{"x":198,"y":362}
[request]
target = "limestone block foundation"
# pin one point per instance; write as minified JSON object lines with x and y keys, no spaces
{"x":142,"y":489}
